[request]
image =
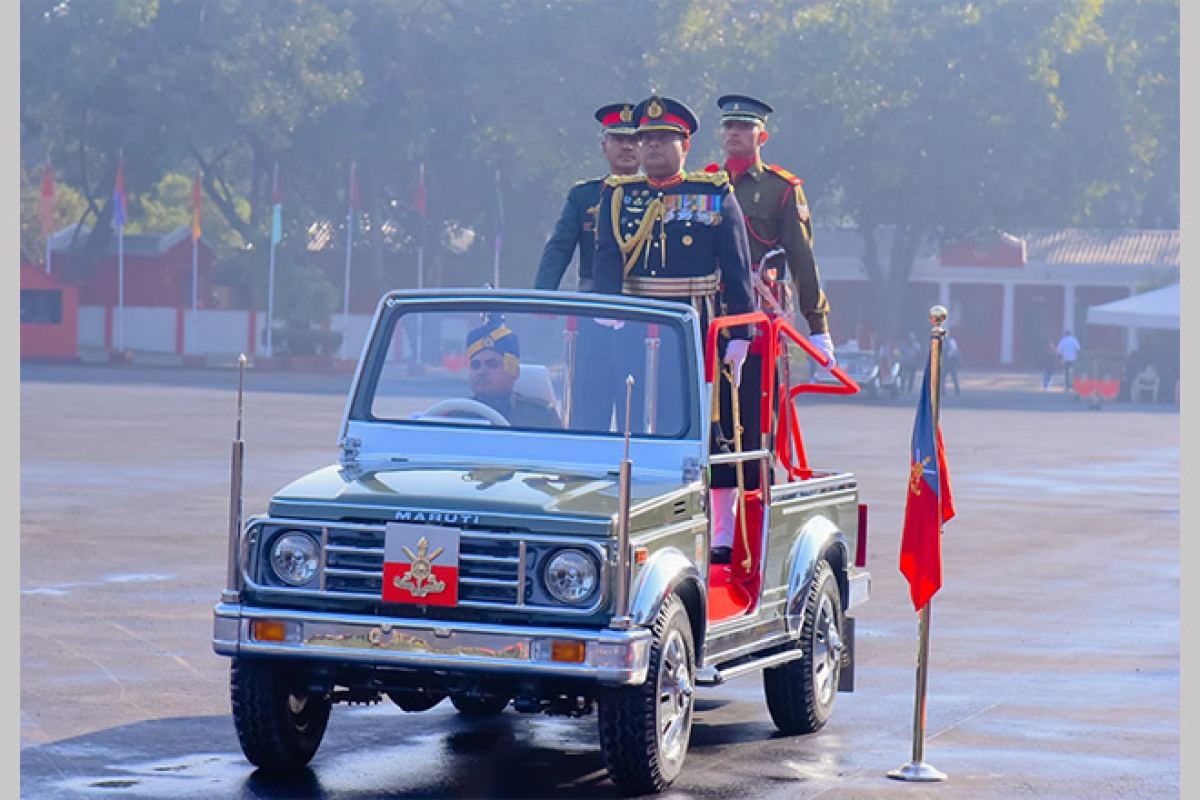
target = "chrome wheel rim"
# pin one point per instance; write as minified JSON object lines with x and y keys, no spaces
{"x":827,"y":651}
{"x":675,"y":690}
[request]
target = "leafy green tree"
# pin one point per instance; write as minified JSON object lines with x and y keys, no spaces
{"x":168,"y":205}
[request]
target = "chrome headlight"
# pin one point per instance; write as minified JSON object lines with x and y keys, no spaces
{"x":295,"y":557}
{"x":571,"y":577}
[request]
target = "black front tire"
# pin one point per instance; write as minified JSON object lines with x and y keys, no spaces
{"x":800,"y":693}
{"x":280,"y":721}
{"x":644,"y":730}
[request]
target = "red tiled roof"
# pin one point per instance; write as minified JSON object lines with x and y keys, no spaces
{"x":1147,"y":248}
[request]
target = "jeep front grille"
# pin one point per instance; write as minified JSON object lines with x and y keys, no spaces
{"x":489,"y":569}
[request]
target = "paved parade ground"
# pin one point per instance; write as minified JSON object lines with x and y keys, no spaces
{"x":1054,"y":656}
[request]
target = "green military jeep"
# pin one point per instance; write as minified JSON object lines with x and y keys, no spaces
{"x":544,"y":544}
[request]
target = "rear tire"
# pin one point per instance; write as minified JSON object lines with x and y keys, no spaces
{"x":644,"y":730}
{"x":800,"y":693}
{"x":279,"y":721}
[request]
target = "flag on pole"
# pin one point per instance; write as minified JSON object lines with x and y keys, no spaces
{"x":119,"y":194}
{"x":419,"y":194}
{"x":276,"y":208}
{"x":928,"y":505}
{"x":196,"y":206}
{"x":46,"y":209}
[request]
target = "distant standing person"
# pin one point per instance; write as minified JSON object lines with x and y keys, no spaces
{"x":950,"y":364}
{"x":576,"y":226}
{"x":1049,"y":363}
{"x":1068,"y":351}
{"x":913,"y":356}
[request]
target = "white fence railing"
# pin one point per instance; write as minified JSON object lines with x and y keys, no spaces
{"x":205,"y":332}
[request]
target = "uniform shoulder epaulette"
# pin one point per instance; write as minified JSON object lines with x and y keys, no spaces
{"x":621,"y":180}
{"x":718,"y":178}
{"x":783,"y":173}
{"x":586,"y":181}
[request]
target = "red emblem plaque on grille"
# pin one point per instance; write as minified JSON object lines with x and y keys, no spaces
{"x":420,"y":564}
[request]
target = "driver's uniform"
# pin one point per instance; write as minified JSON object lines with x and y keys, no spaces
{"x":522,"y":411}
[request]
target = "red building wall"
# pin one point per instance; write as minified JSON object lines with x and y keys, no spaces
{"x":161,"y":280}
{"x":1098,"y":338}
{"x":1037,"y":321}
{"x":45,"y":299}
{"x":978,"y":314}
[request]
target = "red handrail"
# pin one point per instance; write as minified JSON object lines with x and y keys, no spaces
{"x":789,"y":442}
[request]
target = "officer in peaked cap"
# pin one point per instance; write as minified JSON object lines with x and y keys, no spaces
{"x":494,"y":364}
{"x":775,"y":207}
{"x":576,"y":226}
{"x":678,"y":235}
{"x":740,"y":106}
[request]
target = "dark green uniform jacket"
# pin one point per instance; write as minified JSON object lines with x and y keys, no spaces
{"x":575,"y":229}
{"x":524,"y":412}
{"x":776,"y":212}
{"x":698,"y":224}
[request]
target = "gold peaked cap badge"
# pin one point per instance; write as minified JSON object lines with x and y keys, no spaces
{"x":627,"y":113}
{"x":654,"y":110}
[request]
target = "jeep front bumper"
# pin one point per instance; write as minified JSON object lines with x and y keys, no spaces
{"x":603,"y":655}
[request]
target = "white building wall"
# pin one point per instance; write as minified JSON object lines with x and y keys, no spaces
{"x":91,"y":326}
{"x":218,"y":332}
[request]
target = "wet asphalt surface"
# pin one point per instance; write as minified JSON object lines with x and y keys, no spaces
{"x":1054,"y":651}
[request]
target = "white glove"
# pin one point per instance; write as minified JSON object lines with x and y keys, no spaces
{"x":825,"y":345}
{"x":615,"y":324}
{"x":735,"y":357}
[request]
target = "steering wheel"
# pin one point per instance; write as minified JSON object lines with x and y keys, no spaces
{"x":465,"y":405}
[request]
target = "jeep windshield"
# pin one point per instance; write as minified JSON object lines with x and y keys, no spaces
{"x":522,"y":361}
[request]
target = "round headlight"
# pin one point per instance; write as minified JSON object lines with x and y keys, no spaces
{"x":294,"y":558}
{"x":570,"y":577}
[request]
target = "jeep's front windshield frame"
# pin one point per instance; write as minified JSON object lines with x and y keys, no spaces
{"x":391,"y":362}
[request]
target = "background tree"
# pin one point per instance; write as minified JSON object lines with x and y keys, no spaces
{"x":909,"y":121}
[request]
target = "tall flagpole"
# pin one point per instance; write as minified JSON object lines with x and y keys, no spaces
{"x":119,"y":213}
{"x":195,"y":262}
{"x":276,"y":234}
{"x":352,"y":202}
{"x":421,"y":244}
{"x":121,"y":288}
{"x":917,"y":769}
{"x":499,"y":233}
{"x":47,"y":209}
{"x":420,"y":203}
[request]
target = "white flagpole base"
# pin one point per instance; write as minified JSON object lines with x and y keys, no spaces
{"x":917,"y":771}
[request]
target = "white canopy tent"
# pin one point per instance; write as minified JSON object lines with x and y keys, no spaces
{"x":1154,"y":309}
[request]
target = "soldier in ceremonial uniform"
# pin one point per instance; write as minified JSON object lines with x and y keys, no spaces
{"x":576,"y":224}
{"x":680,"y":236}
{"x":494,"y":364}
{"x":775,"y":208}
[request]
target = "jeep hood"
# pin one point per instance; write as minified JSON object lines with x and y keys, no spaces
{"x":336,"y":493}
